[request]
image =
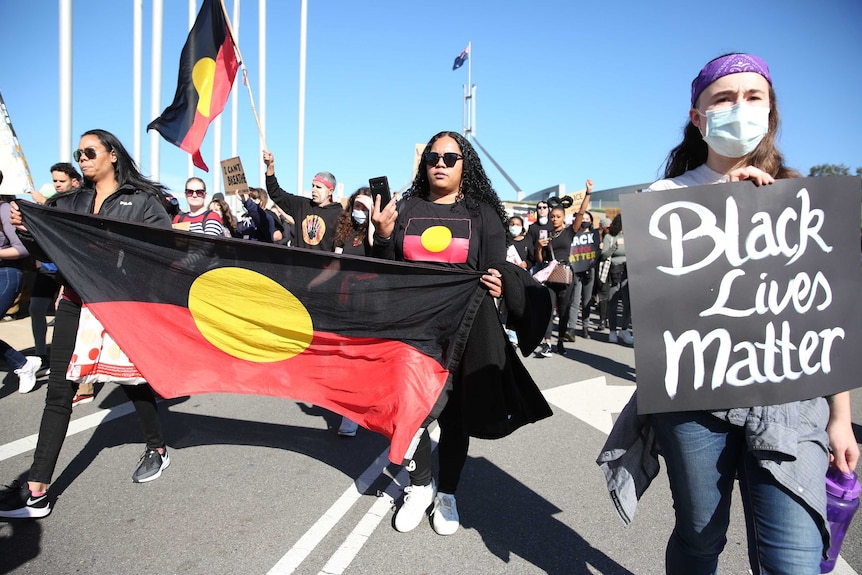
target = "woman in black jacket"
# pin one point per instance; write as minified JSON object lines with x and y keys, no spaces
{"x":114,"y":187}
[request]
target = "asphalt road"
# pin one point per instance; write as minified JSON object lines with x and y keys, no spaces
{"x":260,"y":485}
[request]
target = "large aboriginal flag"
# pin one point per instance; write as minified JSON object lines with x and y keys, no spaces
{"x":208,"y":67}
{"x":369,"y":339}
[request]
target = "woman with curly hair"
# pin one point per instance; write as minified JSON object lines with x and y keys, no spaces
{"x":352,"y":235}
{"x":451,"y":216}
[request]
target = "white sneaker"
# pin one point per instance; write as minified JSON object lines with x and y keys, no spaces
{"x":417,"y":500}
{"x":612,"y":337}
{"x":627,"y":337}
{"x":27,"y":374}
{"x":348,"y":427}
{"x":445,"y":514}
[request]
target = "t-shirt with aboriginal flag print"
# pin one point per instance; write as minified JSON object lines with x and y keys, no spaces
{"x":448,"y":234}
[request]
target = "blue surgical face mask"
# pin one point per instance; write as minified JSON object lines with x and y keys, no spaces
{"x":515,"y":230}
{"x":360,"y":216}
{"x":734,"y":131}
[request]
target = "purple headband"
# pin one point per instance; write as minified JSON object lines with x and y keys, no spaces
{"x":730,"y":64}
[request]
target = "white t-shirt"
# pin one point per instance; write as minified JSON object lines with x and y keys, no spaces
{"x":700,"y":176}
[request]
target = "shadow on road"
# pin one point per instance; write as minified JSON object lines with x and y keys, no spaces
{"x":522,"y":523}
{"x":602,"y":363}
{"x":181,"y":430}
{"x":20,"y":542}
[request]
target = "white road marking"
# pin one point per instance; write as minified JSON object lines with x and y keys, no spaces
{"x":592,"y":401}
{"x":348,"y":550}
{"x":28,"y":443}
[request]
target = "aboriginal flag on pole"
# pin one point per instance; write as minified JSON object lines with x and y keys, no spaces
{"x":369,"y":339}
{"x":208,"y":67}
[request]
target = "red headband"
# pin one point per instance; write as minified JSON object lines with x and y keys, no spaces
{"x":326,"y":183}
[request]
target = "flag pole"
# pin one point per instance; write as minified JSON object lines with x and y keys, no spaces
{"x":190,"y":165}
{"x":261,"y":79}
{"x":244,"y":71}
{"x":156,"y":84}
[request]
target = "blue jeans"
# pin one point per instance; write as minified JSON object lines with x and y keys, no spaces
{"x":703,"y":455}
{"x":582,"y":292}
{"x":11,"y":280}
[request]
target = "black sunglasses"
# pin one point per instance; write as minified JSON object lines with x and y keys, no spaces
{"x":199,"y":193}
{"x":449,"y":158}
{"x":89,"y":153}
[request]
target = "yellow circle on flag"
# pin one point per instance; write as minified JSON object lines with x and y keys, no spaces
{"x":203,"y":78}
{"x":436,"y":238}
{"x":249,"y":316}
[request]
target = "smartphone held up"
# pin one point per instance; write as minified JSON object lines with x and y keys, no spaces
{"x":380,"y":187}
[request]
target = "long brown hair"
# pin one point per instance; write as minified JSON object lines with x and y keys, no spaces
{"x":345,"y":226}
{"x":228,"y":220}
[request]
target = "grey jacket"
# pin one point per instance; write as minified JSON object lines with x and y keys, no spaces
{"x":788,"y":440}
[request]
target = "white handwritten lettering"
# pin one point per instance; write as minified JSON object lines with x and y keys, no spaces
{"x":764,"y":240}
{"x":802,"y":292}
{"x":774,"y":360}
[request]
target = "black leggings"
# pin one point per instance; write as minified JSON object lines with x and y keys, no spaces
{"x":58,"y":400}
{"x":451,"y":451}
{"x":561,"y":295}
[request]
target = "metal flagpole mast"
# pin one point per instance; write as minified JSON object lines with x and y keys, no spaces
{"x":471,"y":89}
{"x":261,"y":47}
{"x":472,"y":93}
{"x":156,"y":86}
{"x":469,"y":92}
{"x":65,"y":42}
{"x":137,"y":77}
{"x":190,"y":166}
{"x":234,"y":124}
{"x":300,"y":150}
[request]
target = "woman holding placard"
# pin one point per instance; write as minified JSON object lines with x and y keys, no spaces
{"x":779,"y":453}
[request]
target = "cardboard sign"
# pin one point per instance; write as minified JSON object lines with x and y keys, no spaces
{"x":745,"y":295}
{"x":234,"y":176}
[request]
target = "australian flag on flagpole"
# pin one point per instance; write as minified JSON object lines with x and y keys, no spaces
{"x":461,"y":58}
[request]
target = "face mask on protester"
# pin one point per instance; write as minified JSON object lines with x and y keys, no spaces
{"x":360,"y":217}
{"x":515,"y":230}
{"x":734,"y":131}
{"x":543,"y":220}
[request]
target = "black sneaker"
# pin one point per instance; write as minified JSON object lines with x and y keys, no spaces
{"x":151,"y":465}
{"x":17,"y":502}
{"x":569,"y":335}
{"x":546,"y":350}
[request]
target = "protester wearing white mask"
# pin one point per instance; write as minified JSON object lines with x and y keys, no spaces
{"x":731,"y":137}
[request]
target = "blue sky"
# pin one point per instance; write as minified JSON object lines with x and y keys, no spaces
{"x":565,"y":90}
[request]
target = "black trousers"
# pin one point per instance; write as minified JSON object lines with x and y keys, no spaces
{"x":58,"y":400}
{"x":451,"y":451}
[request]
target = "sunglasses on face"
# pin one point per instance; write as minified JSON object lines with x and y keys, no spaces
{"x":197,"y":193}
{"x":449,"y":158}
{"x":89,"y":153}
{"x":542,"y":207}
